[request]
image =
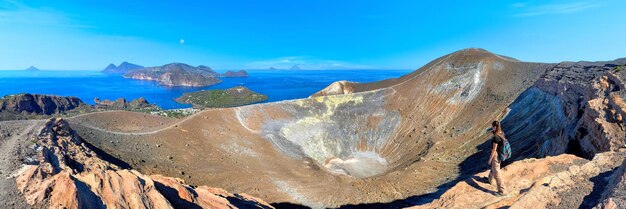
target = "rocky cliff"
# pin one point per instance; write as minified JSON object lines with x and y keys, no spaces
{"x":124,"y":67}
{"x":572,"y":108}
{"x":177,"y":74}
{"x":64,"y":172}
{"x":38,"y":104}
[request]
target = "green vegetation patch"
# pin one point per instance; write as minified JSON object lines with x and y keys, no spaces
{"x":233,"y":97}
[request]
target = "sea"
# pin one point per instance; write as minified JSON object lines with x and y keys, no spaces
{"x":278,"y":85}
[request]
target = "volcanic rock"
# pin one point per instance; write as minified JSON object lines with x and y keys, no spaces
{"x":338,"y":87}
{"x":614,"y":195}
{"x":553,"y":182}
{"x":38,"y":104}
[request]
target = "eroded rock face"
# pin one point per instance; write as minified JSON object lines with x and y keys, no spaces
{"x":574,"y":107}
{"x":39,"y":104}
{"x":66,"y":173}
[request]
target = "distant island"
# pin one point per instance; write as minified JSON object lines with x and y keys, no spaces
{"x":236,"y":96}
{"x":294,"y":67}
{"x":32,"y":68}
{"x":241,"y":73}
{"x":124,"y":67}
{"x":180,"y":74}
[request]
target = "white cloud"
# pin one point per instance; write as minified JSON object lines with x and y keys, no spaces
{"x":304,"y":62}
{"x":547,"y":9}
{"x":181,"y":41}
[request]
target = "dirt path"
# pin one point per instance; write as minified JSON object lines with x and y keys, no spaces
{"x":14,"y":137}
{"x":134,"y":133}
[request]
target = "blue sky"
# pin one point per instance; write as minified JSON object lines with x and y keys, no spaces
{"x":317,"y":34}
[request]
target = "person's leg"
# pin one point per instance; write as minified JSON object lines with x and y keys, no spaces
{"x":491,"y":174}
{"x":495,"y":167}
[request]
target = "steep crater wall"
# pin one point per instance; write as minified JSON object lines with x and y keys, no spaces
{"x":342,"y":133}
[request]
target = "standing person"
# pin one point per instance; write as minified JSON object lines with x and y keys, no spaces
{"x":498,"y":142}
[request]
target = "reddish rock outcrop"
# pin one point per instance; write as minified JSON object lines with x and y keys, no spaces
{"x":563,"y":181}
{"x":66,"y":173}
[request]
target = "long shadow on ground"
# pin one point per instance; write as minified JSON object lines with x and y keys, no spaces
{"x":470,"y":166}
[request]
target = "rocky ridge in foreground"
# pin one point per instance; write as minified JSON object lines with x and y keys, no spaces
{"x":563,"y":181}
{"x":66,"y":173}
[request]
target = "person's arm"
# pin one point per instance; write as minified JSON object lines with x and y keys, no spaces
{"x":494,"y":152}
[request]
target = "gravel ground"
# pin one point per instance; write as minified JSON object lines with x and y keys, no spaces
{"x":15,"y":137}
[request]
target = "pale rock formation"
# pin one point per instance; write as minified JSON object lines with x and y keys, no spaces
{"x":336,"y":88}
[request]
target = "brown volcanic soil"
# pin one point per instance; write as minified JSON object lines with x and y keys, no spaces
{"x":423,"y":128}
{"x":123,"y":121}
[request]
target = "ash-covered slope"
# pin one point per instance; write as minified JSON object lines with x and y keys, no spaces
{"x":391,"y":140}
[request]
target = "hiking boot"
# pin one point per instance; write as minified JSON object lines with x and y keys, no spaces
{"x":501,"y":194}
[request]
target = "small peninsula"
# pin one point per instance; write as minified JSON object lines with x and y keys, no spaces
{"x":232,"y":97}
